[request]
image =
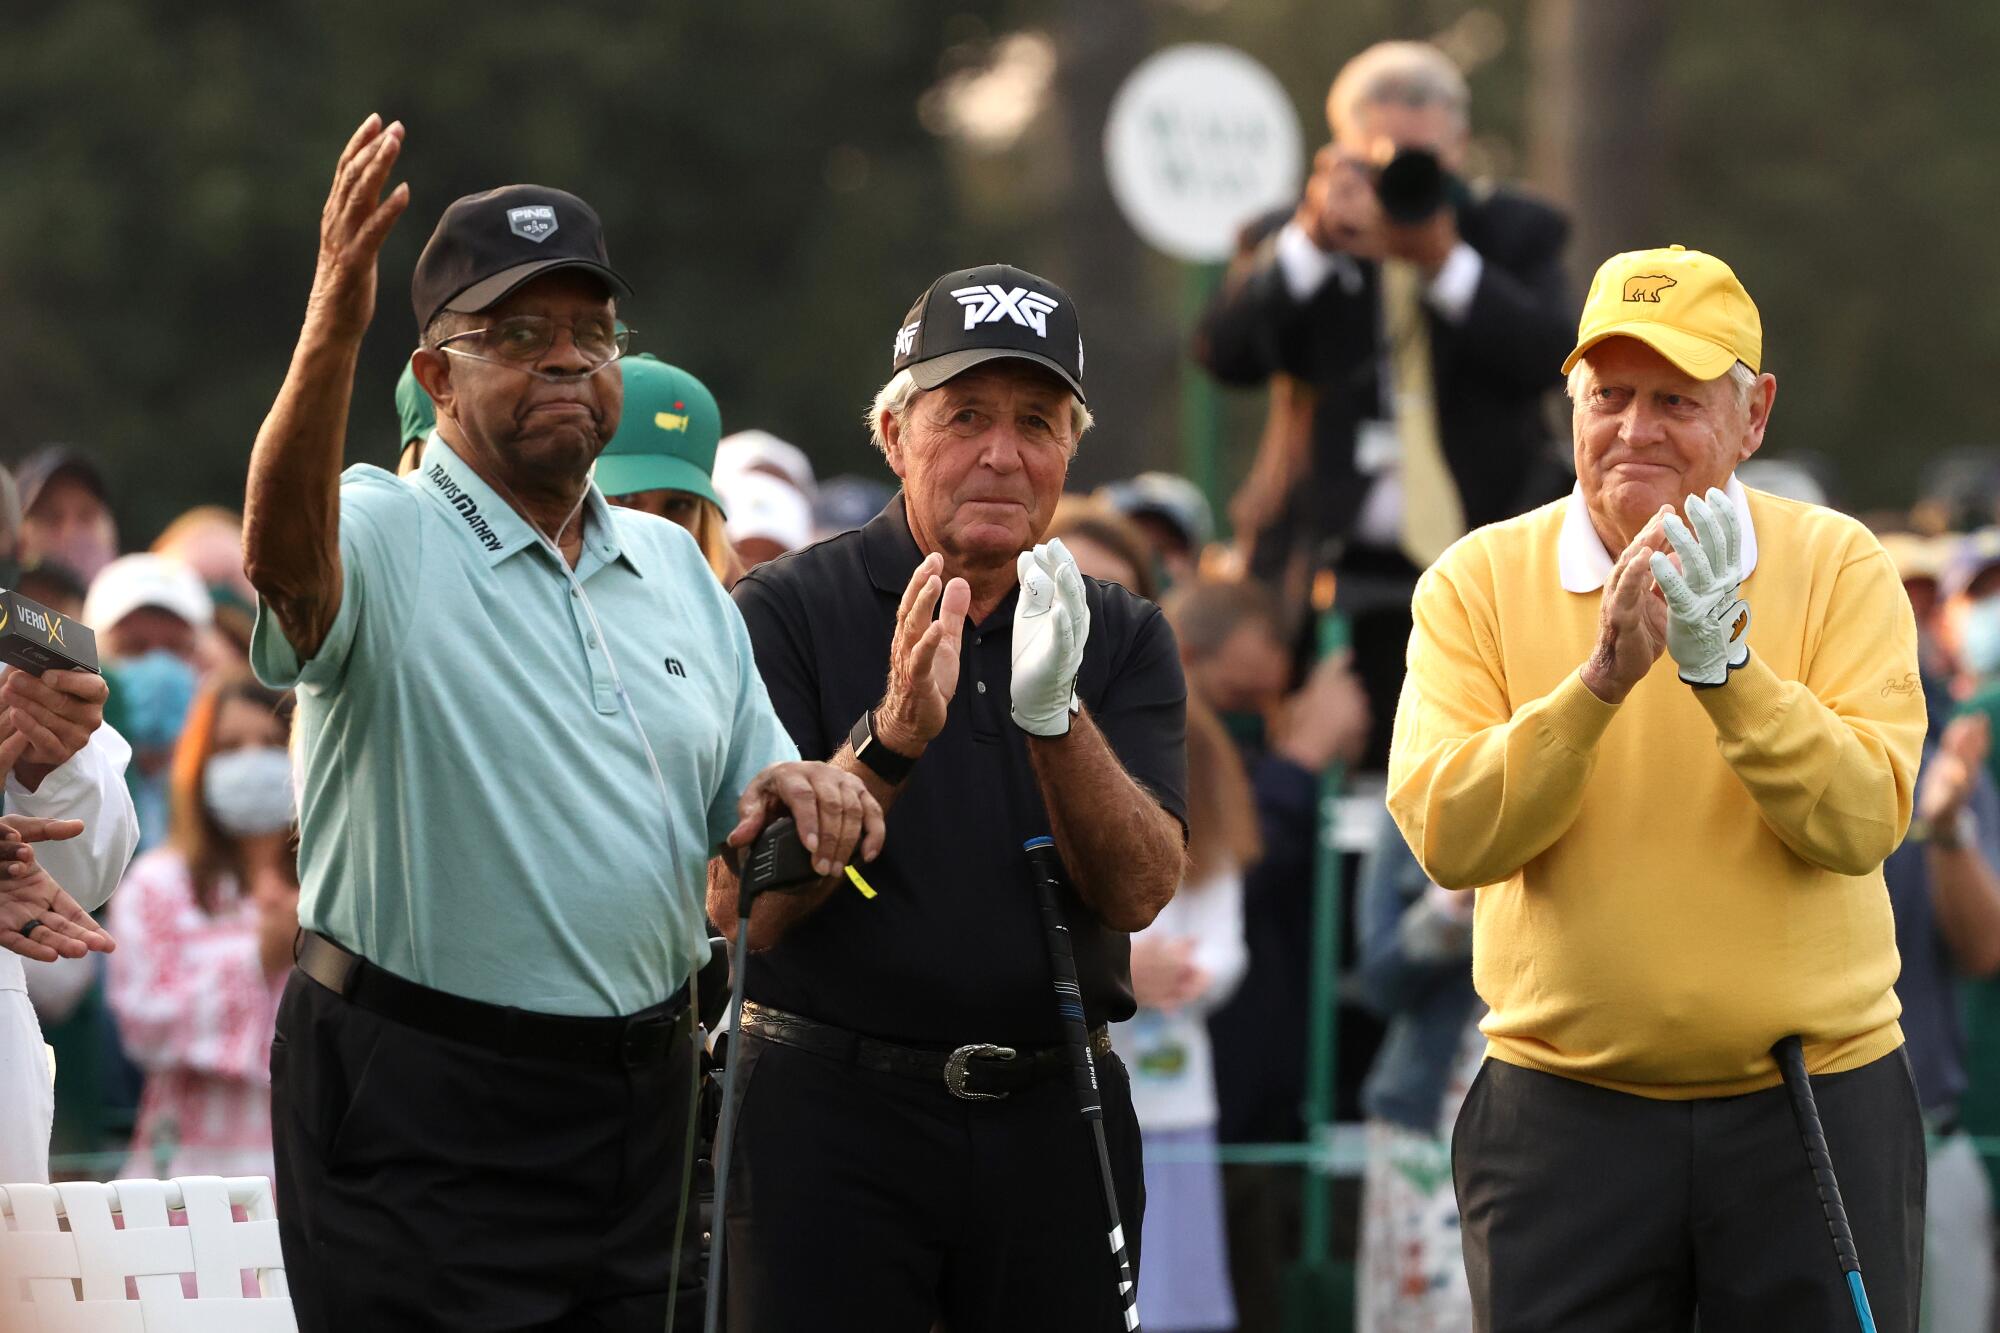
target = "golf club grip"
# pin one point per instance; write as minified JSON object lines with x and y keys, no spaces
{"x":1046,"y":868}
{"x":1791,"y":1059}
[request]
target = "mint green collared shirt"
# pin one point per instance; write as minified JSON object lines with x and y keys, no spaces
{"x":477,"y":813}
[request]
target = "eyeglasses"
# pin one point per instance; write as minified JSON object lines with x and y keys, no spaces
{"x":522,"y":340}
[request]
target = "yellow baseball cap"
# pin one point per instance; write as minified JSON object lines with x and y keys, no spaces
{"x":1685,"y":305}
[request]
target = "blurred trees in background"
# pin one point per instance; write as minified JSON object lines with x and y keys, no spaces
{"x":780,"y":181}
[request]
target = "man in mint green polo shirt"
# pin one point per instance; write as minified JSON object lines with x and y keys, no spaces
{"x":526,"y":721}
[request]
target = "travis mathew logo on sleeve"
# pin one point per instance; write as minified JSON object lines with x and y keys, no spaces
{"x":992,"y":303}
{"x":674,"y":668}
{"x":467,"y":507}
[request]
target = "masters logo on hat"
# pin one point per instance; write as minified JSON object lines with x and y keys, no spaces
{"x":1685,"y":305}
{"x":667,"y":435}
{"x":985,"y":314}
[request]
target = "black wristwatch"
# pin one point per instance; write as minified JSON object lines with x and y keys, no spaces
{"x":885,"y":763}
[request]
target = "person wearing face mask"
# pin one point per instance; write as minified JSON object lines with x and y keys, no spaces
{"x":205,"y":926}
{"x":149,"y":612}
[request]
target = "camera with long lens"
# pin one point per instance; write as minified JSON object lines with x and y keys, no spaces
{"x":1413,"y":185}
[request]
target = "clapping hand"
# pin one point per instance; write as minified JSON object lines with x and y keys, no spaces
{"x":1164,"y":973}
{"x":1953,"y":770}
{"x":1051,"y":626}
{"x":1707,"y":622}
{"x":923,"y":659}
{"x":38,"y":918}
{"x":1631,"y":619}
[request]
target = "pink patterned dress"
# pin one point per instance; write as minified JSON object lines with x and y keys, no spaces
{"x":197,"y":1013}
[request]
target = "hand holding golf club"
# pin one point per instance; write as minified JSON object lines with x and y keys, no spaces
{"x":1706,"y":621}
{"x":1051,"y":625}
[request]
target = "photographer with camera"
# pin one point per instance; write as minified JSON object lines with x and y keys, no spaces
{"x":1423,"y":314}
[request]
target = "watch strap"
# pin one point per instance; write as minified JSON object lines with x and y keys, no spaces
{"x":884,"y":762}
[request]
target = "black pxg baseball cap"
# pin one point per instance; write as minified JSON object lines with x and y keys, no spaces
{"x":986,"y":314}
{"x":486,"y":245}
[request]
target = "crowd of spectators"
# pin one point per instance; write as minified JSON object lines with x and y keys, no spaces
{"x":165,"y":1043}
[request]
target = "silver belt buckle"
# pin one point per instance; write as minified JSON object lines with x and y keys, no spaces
{"x":955,"y":1070}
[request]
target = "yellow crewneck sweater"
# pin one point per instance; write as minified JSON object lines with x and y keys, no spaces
{"x":1677,"y":881}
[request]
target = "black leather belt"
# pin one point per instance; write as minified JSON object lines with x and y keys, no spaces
{"x":977,"y":1072}
{"x":644,"y":1038}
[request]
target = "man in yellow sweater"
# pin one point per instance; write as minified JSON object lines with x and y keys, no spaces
{"x":1678,"y":861}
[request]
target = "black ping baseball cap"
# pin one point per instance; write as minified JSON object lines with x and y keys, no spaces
{"x":488,"y":244}
{"x":984,"y":314}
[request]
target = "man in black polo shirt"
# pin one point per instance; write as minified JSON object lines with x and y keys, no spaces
{"x":893,"y":1168}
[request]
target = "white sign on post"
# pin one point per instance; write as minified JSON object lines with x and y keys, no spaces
{"x":1200,"y":140}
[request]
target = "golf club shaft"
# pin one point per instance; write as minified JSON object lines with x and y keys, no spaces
{"x":1790,"y":1055}
{"x":725,"y":1135}
{"x":1046,"y":870}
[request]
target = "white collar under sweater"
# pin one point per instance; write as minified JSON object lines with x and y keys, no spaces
{"x":1584,"y":562}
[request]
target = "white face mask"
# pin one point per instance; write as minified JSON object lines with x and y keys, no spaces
{"x":249,"y":792}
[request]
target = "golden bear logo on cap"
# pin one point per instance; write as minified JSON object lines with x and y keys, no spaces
{"x":1647,"y":287}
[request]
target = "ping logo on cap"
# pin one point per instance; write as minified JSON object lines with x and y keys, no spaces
{"x":906,"y":337}
{"x":989,"y":303}
{"x":1648,"y":286}
{"x":535,"y":223}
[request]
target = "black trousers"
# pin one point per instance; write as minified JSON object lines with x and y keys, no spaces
{"x":880,"y":1204}
{"x":1592,"y":1210}
{"x":428,"y":1184}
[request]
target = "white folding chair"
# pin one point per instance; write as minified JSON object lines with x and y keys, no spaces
{"x":64,"y":1262}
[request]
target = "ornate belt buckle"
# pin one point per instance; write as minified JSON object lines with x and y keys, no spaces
{"x":955,"y":1070}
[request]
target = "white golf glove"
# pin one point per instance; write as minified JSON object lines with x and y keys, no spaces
{"x":1707,"y":623}
{"x":1051,"y":624}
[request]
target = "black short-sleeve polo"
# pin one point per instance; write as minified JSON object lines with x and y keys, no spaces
{"x":951,"y":950}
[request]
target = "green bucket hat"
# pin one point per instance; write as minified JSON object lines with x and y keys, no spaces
{"x":414,"y":408}
{"x":667,"y":437}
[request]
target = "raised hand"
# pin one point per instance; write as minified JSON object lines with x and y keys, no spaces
{"x":923,"y":659}
{"x":38,"y":918}
{"x":352,"y":227}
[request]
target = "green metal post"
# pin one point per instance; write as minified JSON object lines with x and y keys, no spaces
{"x":1320,"y":1293}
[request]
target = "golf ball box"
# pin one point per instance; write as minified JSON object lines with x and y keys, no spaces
{"x":36,"y":639}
